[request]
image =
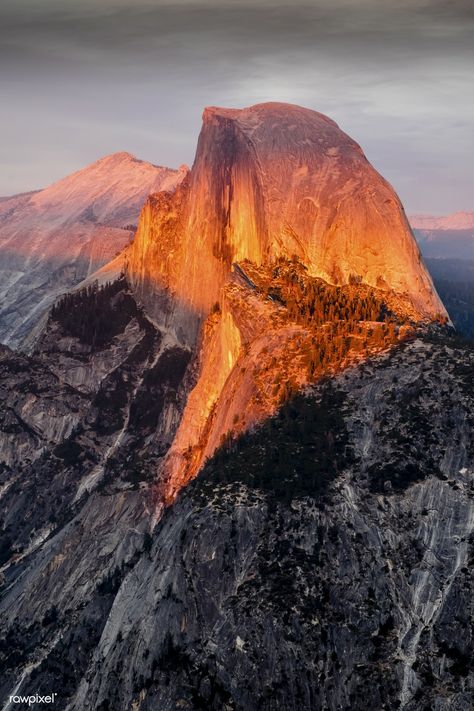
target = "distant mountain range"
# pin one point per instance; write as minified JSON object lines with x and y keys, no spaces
{"x":455,"y":221}
{"x":447,"y":244}
{"x":450,"y":237}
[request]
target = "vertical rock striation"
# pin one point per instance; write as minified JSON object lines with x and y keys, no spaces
{"x":277,"y":180}
{"x":270,"y":182}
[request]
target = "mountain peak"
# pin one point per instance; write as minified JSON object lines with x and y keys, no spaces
{"x":124,"y":158}
{"x":111,"y":179}
{"x":54,"y":237}
{"x":278,"y":180}
{"x":120,"y":160}
{"x":118,"y":157}
{"x":277,"y":196}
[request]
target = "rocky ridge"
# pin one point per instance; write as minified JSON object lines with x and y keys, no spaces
{"x":450,"y":237}
{"x":456,"y":221}
{"x":276,"y":331}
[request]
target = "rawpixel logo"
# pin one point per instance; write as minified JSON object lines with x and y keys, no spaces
{"x":31,"y":700}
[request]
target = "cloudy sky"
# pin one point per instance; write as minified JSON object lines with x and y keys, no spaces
{"x":82,"y":79}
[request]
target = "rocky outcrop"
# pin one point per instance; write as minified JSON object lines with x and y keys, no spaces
{"x":347,"y":597}
{"x":52,"y":239}
{"x":82,"y":406}
{"x":268,"y":181}
{"x":85,"y":422}
{"x":321,"y":561}
{"x":261,"y":345}
{"x":37,"y":410}
{"x":270,"y":184}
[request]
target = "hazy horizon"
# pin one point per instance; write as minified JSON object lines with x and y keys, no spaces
{"x":81,"y":82}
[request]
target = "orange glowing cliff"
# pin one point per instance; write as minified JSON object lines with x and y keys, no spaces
{"x":277,"y":194}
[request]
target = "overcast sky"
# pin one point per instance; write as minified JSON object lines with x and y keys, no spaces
{"x":81,"y":79}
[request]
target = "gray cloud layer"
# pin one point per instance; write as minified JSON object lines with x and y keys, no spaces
{"x":81,"y":80}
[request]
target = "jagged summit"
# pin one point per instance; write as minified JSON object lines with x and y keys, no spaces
{"x":125,"y":158}
{"x":116,"y":157}
{"x":120,"y":158}
{"x":116,"y":180}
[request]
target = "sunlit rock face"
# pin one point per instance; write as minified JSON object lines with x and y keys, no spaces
{"x":321,"y":558}
{"x":250,"y":353}
{"x":268,"y":182}
{"x":277,"y":180}
{"x":54,"y":238}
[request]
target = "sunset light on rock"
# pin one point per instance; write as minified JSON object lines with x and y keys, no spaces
{"x":275,"y":181}
{"x":236,"y":355}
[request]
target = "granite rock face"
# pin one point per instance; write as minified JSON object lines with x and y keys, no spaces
{"x":268,"y":181}
{"x":271,"y":183}
{"x":321,"y":561}
{"x":256,"y":595}
{"x":81,"y":410}
{"x":275,"y":336}
{"x":54,"y":238}
{"x":269,"y":337}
